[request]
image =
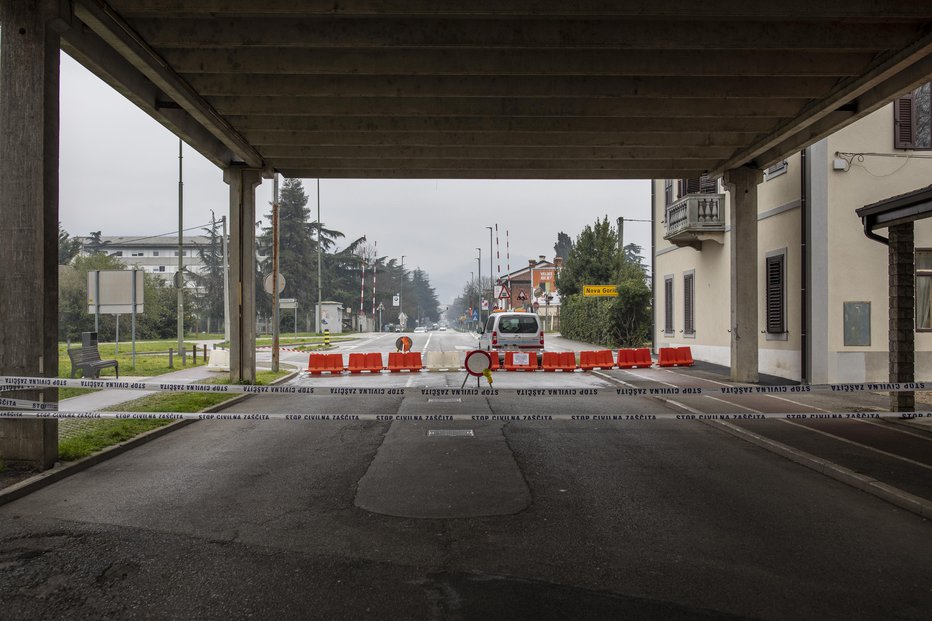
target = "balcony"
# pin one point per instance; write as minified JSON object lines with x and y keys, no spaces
{"x":696,"y":218}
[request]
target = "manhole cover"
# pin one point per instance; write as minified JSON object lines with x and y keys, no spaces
{"x":450,"y":432}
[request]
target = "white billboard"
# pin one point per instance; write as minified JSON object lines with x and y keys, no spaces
{"x":110,"y":292}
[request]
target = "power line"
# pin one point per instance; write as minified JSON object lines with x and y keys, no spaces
{"x":128,"y":241}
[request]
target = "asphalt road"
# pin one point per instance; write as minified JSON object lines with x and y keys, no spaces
{"x":520,"y":520}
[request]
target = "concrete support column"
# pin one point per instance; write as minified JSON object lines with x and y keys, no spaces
{"x":242,"y":290}
{"x":742,"y":184}
{"x":29,"y":53}
{"x":902,"y":302}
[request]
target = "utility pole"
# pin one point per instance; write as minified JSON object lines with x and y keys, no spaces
{"x":401,"y":291}
{"x":226,"y":285}
{"x":320,"y":289}
{"x":621,"y":236}
{"x":275,"y":309}
{"x":491,"y":275}
{"x":179,"y":277}
{"x":479,"y":283}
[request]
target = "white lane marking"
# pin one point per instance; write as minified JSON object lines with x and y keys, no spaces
{"x":853,"y":443}
{"x":649,"y":378}
{"x":811,"y":407}
{"x":424,"y":351}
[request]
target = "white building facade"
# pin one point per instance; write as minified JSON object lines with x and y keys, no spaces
{"x":823,"y":285}
{"x":158,"y":255}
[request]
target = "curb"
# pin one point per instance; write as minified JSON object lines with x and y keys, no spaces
{"x":44,"y":479}
{"x":893,"y":495}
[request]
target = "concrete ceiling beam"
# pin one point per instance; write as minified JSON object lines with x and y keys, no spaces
{"x":541,"y":125}
{"x":512,"y":33}
{"x":99,"y":58}
{"x":488,"y":107}
{"x":671,"y":165}
{"x":870,"y":101}
{"x":841,"y":10}
{"x":264,"y":139}
{"x":117,"y":34}
{"x":280,"y":153}
{"x":691,"y":87}
{"x":491,"y":173}
{"x":480,"y":62}
{"x":880,"y":79}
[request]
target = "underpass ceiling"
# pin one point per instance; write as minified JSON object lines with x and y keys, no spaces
{"x":502,"y":89}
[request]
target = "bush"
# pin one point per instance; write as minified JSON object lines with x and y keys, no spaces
{"x":623,"y":321}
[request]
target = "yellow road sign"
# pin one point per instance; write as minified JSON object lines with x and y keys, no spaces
{"x":600,"y":291}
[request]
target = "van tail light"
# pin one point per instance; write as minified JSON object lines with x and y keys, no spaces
{"x":541,"y":338}
{"x":494,"y":337}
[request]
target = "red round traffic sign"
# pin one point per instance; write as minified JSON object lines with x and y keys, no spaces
{"x":403,"y":343}
{"x":477,"y":362}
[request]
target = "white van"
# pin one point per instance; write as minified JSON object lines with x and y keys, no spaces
{"x":509,"y":331}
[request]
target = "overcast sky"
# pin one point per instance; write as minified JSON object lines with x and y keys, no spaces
{"x":119,"y":175}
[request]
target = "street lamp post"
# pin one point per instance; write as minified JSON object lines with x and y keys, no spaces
{"x":401,"y":291}
{"x":491,"y":275}
{"x":479,"y":282}
{"x":472,"y":280}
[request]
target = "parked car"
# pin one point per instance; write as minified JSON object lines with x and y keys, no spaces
{"x":420,"y":329}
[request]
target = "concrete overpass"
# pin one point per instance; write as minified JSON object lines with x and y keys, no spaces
{"x":434,"y":89}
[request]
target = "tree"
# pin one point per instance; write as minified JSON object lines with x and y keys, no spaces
{"x":564,"y":245}
{"x":94,"y":244}
{"x":209,"y":281}
{"x":157,"y":321}
{"x":592,"y":261}
{"x":297,"y":258}
{"x":67,"y":248}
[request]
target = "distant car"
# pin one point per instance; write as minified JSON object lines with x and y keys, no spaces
{"x":397,"y":328}
{"x":434,"y":327}
{"x":420,"y":329}
{"x":443,"y":328}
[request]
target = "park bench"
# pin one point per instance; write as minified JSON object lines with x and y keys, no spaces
{"x":87,"y":360}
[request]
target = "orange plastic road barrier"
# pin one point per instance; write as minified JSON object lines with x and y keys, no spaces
{"x":642,"y":358}
{"x":667,"y":357}
{"x":359,"y":363}
{"x":559,"y":361}
{"x":602,"y":359}
{"x":325,"y":363}
{"x":684,"y":357}
{"x":626,"y":359}
{"x":399,"y":361}
{"x":511,"y":366}
{"x":374,"y":362}
{"x":496,"y":363}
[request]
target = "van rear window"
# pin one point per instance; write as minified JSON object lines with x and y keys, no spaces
{"x":518,"y":325}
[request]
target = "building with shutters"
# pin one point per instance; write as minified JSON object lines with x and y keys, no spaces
{"x":822,"y":308}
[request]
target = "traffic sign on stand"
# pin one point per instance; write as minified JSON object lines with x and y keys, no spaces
{"x":502,"y":292}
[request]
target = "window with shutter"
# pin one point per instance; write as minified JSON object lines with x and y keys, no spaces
{"x":698,"y":185}
{"x":776,"y":313}
{"x":689,"y":304}
{"x":912,"y":119}
{"x":668,"y":192}
{"x":668,"y":305}
{"x":903,"y":122}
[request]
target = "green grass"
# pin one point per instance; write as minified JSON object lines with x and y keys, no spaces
{"x":108,"y":432}
{"x":151,"y":358}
